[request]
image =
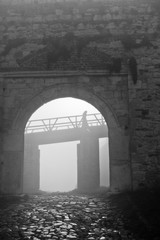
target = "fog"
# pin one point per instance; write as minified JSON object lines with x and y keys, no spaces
{"x":63,"y":107}
{"x":58,"y":166}
{"x":58,"y":162}
{"x":104,"y":162}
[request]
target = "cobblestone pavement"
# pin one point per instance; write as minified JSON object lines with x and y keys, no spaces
{"x":62,"y":217}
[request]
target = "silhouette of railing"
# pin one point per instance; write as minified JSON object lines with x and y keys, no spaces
{"x":63,"y":123}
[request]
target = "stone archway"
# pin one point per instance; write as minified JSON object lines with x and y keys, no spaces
{"x":61,"y":91}
{"x":90,"y":162}
{"x":118,"y":141}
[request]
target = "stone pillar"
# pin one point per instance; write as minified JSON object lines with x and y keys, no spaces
{"x":31,"y":173}
{"x":12,"y":172}
{"x":120,"y":169}
{"x":88,"y":172}
{"x":12,"y":165}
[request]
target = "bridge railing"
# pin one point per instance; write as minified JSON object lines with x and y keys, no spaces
{"x":63,"y":123}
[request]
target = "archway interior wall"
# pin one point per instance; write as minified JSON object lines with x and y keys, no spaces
{"x":120,"y":168}
{"x":31,"y":170}
{"x":107,"y":93}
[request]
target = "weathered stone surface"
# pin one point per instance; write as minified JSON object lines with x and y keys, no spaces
{"x":33,"y":29}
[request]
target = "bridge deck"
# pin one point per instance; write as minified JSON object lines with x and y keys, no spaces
{"x":63,"y":123}
{"x":69,"y":135}
{"x":64,"y":129}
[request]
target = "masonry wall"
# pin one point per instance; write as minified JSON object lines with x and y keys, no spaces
{"x":117,"y":37}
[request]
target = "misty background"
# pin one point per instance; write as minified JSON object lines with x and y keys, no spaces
{"x":58,"y":162}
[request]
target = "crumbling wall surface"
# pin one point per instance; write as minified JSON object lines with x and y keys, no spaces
{"x":117,"y":36}
{"x":72,"y":35}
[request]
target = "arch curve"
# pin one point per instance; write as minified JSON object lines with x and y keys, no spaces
{"x":82,"y":92}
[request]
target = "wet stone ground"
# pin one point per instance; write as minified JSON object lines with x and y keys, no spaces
{"x":62,"y":217}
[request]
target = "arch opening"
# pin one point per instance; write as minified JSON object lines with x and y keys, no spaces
{"x":120,"y":164}
{"x":54,"y":160}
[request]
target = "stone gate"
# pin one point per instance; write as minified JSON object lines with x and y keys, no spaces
{"x":32,"y":91}
{"x":104,"y":52}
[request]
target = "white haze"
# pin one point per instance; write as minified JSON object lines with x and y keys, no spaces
{"x":58,"y":162}
{"x":63,"y":107}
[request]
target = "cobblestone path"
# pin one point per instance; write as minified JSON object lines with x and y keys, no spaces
{"x":62,"y":217}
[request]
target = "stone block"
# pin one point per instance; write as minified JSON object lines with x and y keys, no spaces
{"x":121,"y":178}
{"x":13,"y":142}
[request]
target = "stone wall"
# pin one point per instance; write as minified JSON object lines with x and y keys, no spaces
{"x":78,"y":34}
{"x":117,"y":37}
